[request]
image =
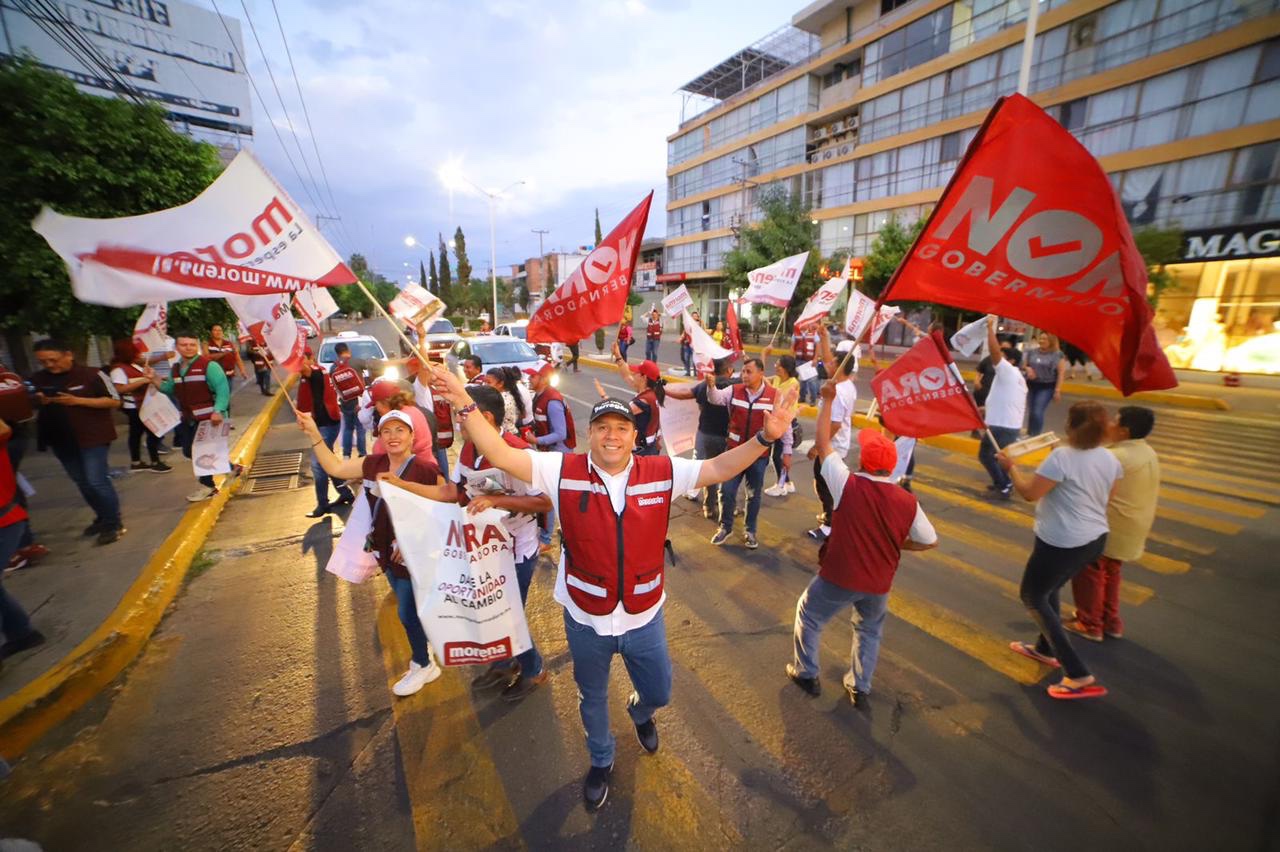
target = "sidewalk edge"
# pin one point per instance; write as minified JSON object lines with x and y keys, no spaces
{"x":35,"y":709}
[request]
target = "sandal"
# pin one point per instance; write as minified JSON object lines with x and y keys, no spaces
{"x":1028,"y":650}
{"x":1070,"y":693}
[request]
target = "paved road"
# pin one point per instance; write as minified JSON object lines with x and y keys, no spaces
{"x":261,"y":717}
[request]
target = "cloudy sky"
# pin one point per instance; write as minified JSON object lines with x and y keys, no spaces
{"x":574,"y":98}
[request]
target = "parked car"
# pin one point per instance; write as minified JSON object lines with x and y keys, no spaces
{"x":517,"y":328}
{"x":367,"y":354}
{"x":495,"y":351}
{"x":308,"y":328}
{"x":553,"y":352}
{"x":439,"y":337}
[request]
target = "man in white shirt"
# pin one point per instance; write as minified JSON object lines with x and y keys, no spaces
{"x":840,"y":429}
{"x":1006,"y":405}
{"x":613,"y":508}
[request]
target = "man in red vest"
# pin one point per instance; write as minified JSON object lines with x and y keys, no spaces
{"x":348,"y":385}
{"x":226,"y":352}
{"x":804,"y":346}
{"x":613,"y":507}
{"x":652,"y":335}
{"x":318,"y":397}
{"x":873,"y":522}
{"x":203,"y":392}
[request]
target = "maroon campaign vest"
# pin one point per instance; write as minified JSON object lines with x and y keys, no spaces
{"x":195,"y":398}
{"x":648,"y":423}
{"x":382,"y":534}
{"x":654,"y":330}
{"x":746,"y":418}
{"x":868,"y":528}
{"x":612,"y":558}
{"x":444,"y":422}
{"x":131,"y":372}
{"x":225,"y":354}
{"x":347,"y":381}
{"x":15,"y":399}
{"x":542,"y":422}
{"x":803,"y":346}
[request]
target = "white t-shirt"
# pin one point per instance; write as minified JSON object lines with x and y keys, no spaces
{"x":523,"y":527}
{"x":1007,"y":400}
{"x":164,"y":366}
{"x":546,"y":478}
{"x":836,"y":474}
{"x":842,"y":413}
{"x":422,"y":395}
{"x":1074,"y":513}
{"x":118,"y":377}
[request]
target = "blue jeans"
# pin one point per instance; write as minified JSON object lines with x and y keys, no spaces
{"x":644,"y":653}
{"x":729,"y":494}
{"x":809,"y":388}
{"x":185,"y":436}
{"x":820,"y":603}
{"x":686,"y":358}
{"x":87,"y":467}
{"x":1038,"y":399}
{"x":987,"y":455}
{"x":623,"y":346}
{"x":14,"y":623}
{"x":442,"y":459}
{"x":408,"y":611}
{"x":707,"y":446}
{"x":330,"y":435}
{"x":351,"y":429}
{"x":530,"y":661}
{"x":651,"y":350}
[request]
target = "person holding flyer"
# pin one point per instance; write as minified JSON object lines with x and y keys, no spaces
{"x":782,"y":380}
{"x":318,"y":397}
{"x":686,"y":347}
{"x":804,"y":347}
{"x":132,"y":377}
{"x":201,"y":389}
{"x":840,"y":427}
{"x":627,"y":497}
{"x":398,"y":466}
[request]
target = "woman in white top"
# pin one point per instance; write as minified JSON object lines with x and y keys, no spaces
{"x":1071,"y":489}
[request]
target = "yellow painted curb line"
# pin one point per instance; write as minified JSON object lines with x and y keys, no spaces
{"x":35,"y":709}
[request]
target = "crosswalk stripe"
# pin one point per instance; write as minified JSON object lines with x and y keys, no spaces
{"x":457,"y":799}
{"x":1231,"y":488}
{"x":1196,"y":519}
{"x":1006,"y":587}
{"x":1163,"y":564}
{"x":1216,"y":504}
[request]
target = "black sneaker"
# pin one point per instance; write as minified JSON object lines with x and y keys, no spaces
{"x":111,"y":535}
{"x":159,"y":467}
{"x":808,"y":684}
{"x":595,"y":787}
{"x":523,"y":685}
{"x":859,"y":699}
{"x":647,"y":735}
{"x":318,"y":512}
{"x":497,"y":676}
{"x":346,"y":499}
{"x":34,"y":639}
{"x":94,"y":528}
{"x":138,"y":465}
{"x":816,"y":534}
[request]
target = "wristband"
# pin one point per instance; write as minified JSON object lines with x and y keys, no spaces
{"x":764,"y":442}
{"x":317,"y":443}
{"x":465,"y":410}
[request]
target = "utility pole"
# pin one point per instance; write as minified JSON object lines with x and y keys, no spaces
{"x":542,"y":259}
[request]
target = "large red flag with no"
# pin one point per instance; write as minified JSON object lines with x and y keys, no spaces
{"x":922,"y":393}
{"x":595,"y":295}
{"x":732,"y":336}
{"x":1030,"y":227}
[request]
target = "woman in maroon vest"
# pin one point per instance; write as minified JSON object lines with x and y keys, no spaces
{"x":873,"y":522}
{"x":651,"y":392}
{"x":131,"y":376}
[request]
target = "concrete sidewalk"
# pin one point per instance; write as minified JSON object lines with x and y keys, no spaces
{"x":72,"y":591}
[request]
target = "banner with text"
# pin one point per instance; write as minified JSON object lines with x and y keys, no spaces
{"x":774,"y":284}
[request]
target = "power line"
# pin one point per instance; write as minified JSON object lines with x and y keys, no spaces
{"x":59,"y":28}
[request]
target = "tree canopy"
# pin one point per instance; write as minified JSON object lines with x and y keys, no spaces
{"x":784,"y":230}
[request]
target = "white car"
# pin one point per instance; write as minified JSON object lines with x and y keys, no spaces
{"x":495,"y":351}
{"x":367,"y":353}
{"x":439,"y":337}
{"x":553,"y":352}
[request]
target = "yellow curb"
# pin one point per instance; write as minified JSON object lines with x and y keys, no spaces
{"x":35,"y":709}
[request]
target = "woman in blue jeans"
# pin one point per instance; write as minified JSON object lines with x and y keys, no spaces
{"x":1045,"y":368}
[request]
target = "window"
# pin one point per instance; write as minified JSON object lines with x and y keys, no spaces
{"x":1269,"y":66}
{"x":950,"y":148}
{"x":887,"y":6}
{"x":1071,"y":114}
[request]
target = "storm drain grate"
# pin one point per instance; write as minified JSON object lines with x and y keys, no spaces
{"x":271,"y":484}
{"x":277,"y":464}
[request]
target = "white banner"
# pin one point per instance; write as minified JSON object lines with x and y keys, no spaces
{"x":243,"y":235}
{"x":464,"y":578}
{"x":349,"y":560}
{"x":272,"y":325}
{"x":860,"y":311}
{"x":705,"y":348}
{"x":677,"y":301}
{"x":415,"y":305}
{"x":315,"y":304}
{"x":158,"y":413}
{"x":211,"y":450}
{"x":679,"y":425}
{"x":151,"y":330}
{"x":821,"y":303}
{"x":774,"y":284}
{"x":971,"y":338}
{"x":905,"y":447}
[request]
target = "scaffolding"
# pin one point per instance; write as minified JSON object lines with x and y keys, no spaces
{"x":777,"y":51}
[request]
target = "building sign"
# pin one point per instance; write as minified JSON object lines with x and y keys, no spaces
{"x":672,"y":276}
{"x":1232,"y":242}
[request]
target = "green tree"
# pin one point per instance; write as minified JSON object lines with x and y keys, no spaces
{"x":1159,"y":247}
{"x":460,"y":253}
{"x":785,"y":230}
{"x":432,"y":279}
{"x":599,"y":234}
{"x":446,"y":284}
{"x":422,"y":277}
{"x":84,"y":156}
{"x":887,"y":251}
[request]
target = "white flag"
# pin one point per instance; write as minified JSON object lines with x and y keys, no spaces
{"x":152,"y":328}
{"x":415,"y":305}
{"x":315,"y":304}
{"x":272,"y":325}
{"x":675,"y":302}
{"x":705,"y":348}
{"x":971,"y":338}
{"x":243,"y":235}
{"x":774,"y":284}
{"x":860,"y":311}
{"x":821,"y":302}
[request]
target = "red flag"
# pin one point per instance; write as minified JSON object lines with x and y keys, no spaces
{"x":595,"y":295}
{"x":922,"y":393}
{"x":1030,"y":227}
{"x":732,"y":336}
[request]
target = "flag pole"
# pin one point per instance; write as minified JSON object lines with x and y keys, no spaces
{"x":1028,"y":43}
{"x":279,"y":381}
{"x":778,"y":328}
{"x":377,"y":306}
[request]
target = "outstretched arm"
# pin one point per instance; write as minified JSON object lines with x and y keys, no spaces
{"x":336,"y":467}
{"x":823,"y":431}
{"x":486,"y":438}
{"x":729,"y":464}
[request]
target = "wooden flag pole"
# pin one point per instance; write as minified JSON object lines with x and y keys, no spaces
{"x":272,"y":367}
{"x":777,"y":328}
{"x":413,"y":347}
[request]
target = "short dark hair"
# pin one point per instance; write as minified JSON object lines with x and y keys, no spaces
{"x":755,"y":361}
{"x":722,"y":366}
{"x":50,"y":344}
{"x":788,"y":363}
{"x":475,"y":361}
{"x":186,"y":332}
{"x":1137,"y":420}
{"x":339,"y":348}
{"x":1014,"y":356}
{"x":488,"y":400}
{"x":1086,"y":424}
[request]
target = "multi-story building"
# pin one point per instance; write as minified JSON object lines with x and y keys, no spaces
{"x":864,"y":109}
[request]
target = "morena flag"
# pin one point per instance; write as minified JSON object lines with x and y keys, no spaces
{"x":595,"y":295}
{"x":1030,"y":228}
{"x":922,"y":393}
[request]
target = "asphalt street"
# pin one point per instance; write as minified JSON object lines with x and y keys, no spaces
{"x":260,"y":717}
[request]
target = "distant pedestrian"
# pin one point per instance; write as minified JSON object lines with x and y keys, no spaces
{"x":646,"y":380}
{"x":713,"y":428}
{"x":225,"y":351}
{"x":783,"y":380}
{"x":652,"y":336}
{"x":1071,"y":489}
{"x":202,"y":393}
{"x":15,"y":625}
{"x":473,"y":369}
{"x":625,"y":338}
{"x":804,"y":347}
{"x":718,"y":334}
{"x":519,"y":408}
{"x":1006,"y":404}
{"x":319,"y":398}
{"x":874,"y":521}
{"x":1130,"y":513}
{"x":553,"y":431}
{"x":132,"y":378}
{"x":261,"y":360}
{"x":1045,"y":369}
{"x":349,"y":385}
{"x":574,"y":355}
{"x":686,"y":346}
{"x":75,"y":422}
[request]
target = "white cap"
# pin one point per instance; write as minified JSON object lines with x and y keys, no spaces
{"x":396,"y":415}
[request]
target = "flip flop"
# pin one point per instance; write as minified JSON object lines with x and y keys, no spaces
{"x":1070,"y":693}
{"x":1029,"y":651}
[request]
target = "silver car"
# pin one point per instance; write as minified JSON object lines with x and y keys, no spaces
{"x":495,"y":351}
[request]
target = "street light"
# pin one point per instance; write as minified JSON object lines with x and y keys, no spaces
{"x":452,"y":177}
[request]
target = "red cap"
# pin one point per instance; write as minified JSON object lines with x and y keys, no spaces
{"x":879,"y":455}
{"x":545,"y":370}
{"x":648,"y":369}
{"x":306,"y":350}
{"x":383,"y":390}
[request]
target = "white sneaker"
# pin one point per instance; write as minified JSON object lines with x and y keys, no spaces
{"x":695,"y":494}
{"x":200,"y":494}
{"x":416,"y":678}
{"x":778,"y":490}
{"x":791,"y":487}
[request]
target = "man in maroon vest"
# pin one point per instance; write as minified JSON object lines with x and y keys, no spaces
{"x":202,"y":392}
{"x":652,"y":335}
{"x":348,"y":385}
{"x":873,"y":522}
{"x":613,"y":507}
